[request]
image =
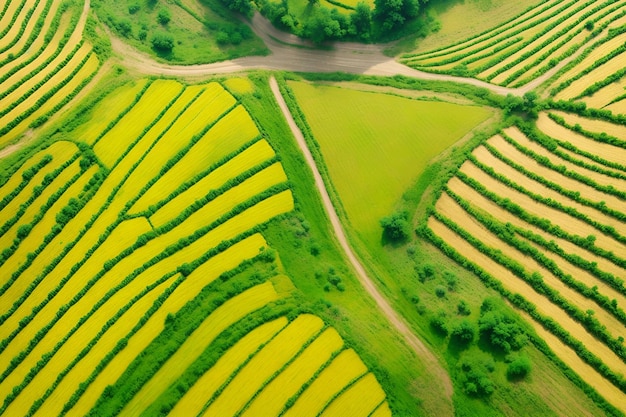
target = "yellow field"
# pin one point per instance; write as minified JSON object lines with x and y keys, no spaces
{"x":88,"y":69}
{"x":449,"y":208}
{"x":38,"y":42}
{"x":598,"y":177}
{"x":227,"y":136}
{"x":225,"y":202}
{"x":111,"y":106}
{"x":557,"y":217}
{"x":618,"y":107}
{"x":30,"y":26}
{"x":40,"y":200}
{"x":343,"y":369}
{"x":211,"y":104}
{"x":10,"y":12}
{"x":194,"y":283}
{"x":603,"y":98}
{"x":35,"y":238}
{"x":275,"y":395}
{"x":593,"y":125}
{"x":599,"y":73}
{"x":223,"y":317}
{"x":482,"y":40}
{"x":74,"y":345}
{"x":61,"y":153}
{"x":542,"y":41}
{"x":259,"y":152}
{"x":358,"y":400}
{"x":114,"y":143}
{"x":516,"y":285}
{"x":194,"y":399}
{"x":239,"y":85}
{"x":32,"y":98}
{"x":15,"y":28}
{"x":603,"y":150}
{"x":382,"y":411}
{"x":504,"y":216}
{"x":590,"y":193}
{"x":264,"y":364}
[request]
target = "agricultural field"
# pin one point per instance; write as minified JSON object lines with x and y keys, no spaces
{"x":45,"y":62}
{"x":420,"y":131}
{"x":188,"y":227}
{"x":528,"y":45}
{"x":119,"y":230}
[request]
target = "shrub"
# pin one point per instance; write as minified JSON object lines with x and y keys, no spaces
{"x":518,"y":368}
{"x":164,"y":16}
{"x":163,"y":41}
{"x":464,"y":332}
{"x":439,"y":323}
{"x":133,"y":8}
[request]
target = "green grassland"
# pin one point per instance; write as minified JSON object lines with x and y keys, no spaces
{"x":358,"y":131}
{"x":201,"y":31}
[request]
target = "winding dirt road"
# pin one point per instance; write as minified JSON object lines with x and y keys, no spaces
{"x":430,"y":361}
{"x":288,"y":52}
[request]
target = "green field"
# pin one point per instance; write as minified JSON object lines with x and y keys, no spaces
{"x":371,"y":173}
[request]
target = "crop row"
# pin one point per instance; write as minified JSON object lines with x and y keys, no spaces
{"x":536,"y":282}
{"x":606,"y":58}
{"x":600,"y":137}
{"x":24,"y":229}
{"x":491,"y":33}
{"x":608,"y":230}
{"x":507,"y":235}
{"x":27,"y":175}
{"x":574,"y":195}
{"x":13,"y":19}
{"x":33,"y":33}
{"x":542,"y":223}
{"x":583,"y":179}
{"x":50,"y":93}
{"x":552,"y":38}
{"x":565,"y":40}
{"x":520,"y":302}
{"x":214,"y":290}
{"x":54,"y":27}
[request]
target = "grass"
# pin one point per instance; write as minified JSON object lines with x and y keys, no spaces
{"x":194,"y":29}
{"x":350,"y":126}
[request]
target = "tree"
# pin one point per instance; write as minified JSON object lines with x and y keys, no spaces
{"x":162,"y":41}
{"x":396,"y":227}
{"x":323,"y":25}
{"x":464,"y":332}
{"x":361,"y":21}
{"x":393,"y":13}
{"x":242,"y":6}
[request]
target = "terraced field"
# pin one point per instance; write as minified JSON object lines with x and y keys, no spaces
{"x":527,"y":46}
{"x":542,"y":219}
{"x":44,"y":62}
{"x":111,"y":234}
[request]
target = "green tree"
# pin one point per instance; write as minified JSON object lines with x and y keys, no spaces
{"x":162,"y":41}
{"x":323,"y":25}
{"x":361,"y":21}
{"x":396,"y":227}
{"x":518,"y":368}
{"x":464,"y":332}
{"x":393,"y":13}
{"x":164,"y":16}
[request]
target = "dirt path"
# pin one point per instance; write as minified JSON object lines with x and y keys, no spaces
{"x":288,"y":52}
{"x":430,"y":361}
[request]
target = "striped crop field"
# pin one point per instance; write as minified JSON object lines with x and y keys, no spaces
{"x":538,"y":213}
{"x":44,"y":62}
{"x":527,"y":46}
{"x":109,"y":238}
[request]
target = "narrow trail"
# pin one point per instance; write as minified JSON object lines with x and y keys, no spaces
{"x":430,"y":361}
